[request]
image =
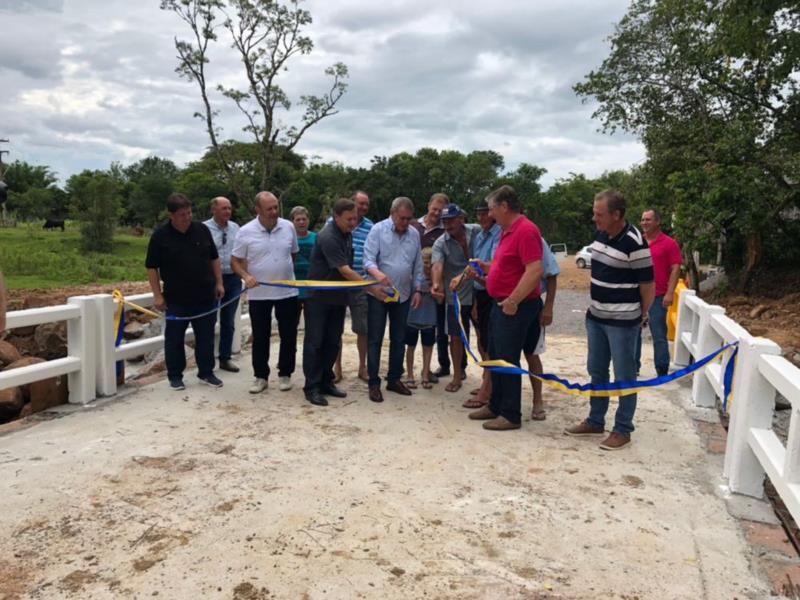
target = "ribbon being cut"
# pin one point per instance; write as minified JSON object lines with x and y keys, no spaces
{"x":617,"y":388}
{"x":307,"y":284}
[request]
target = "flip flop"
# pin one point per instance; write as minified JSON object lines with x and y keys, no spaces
{"x":473,"y":403}
{"x":453,"y":386}
{"x":426,"y":385}
{"x":411,"y":384}
{"x":538,"y":415}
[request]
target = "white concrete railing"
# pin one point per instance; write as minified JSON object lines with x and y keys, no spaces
{"x":753,"y":449}
{"x":79,"y":364}
{"x":91,"y":355}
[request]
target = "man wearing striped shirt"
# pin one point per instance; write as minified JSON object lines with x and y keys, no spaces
{"x":621,"y":295}
{"x":357,"y":301}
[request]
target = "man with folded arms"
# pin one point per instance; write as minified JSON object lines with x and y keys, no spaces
{"x":513,"y":283}
{"x":265,"y":250}
{"x":331,"y":260}
{"x":392,"y":256}
{"x":622,"y":292}
{"x":224,"y":231}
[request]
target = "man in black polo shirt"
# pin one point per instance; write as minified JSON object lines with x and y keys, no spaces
{"x":331,"y":260}
{"x":182,"y":254}
{"x":622,"y":291}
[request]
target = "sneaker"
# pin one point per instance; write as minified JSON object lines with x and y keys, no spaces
{"x":615,"y":441}
{"x":176,"y":384}
{"x":284,"y":383}
{"x":583,"y":429}
{"x":259,"y":385}
{"x":484,"y":413}
{"x":211,"y":380}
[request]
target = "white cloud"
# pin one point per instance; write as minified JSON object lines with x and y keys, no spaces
{"x":88,"y":82}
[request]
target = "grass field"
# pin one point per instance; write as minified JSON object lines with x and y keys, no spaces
{"x":33,"y":258}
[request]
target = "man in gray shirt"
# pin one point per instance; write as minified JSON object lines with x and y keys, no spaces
{"x":224,"y":231}
{"x":392,"y":256}
{"x":450,"y":258}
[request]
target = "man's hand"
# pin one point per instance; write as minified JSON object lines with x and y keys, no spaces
{"x":219,"y":291}
{"x":485,"y":266}
{"x":377,"y":293}
{"x":382,"y":278}
{"x":645,"y":321}
{"x":159,"y":302}
{"x":509,"y":307}
{"x":666,"y":302}
{"x":546,"y":317}
{"x":250,"y":282}
{"x":437,"y":292}
{"x":416,"y":300}
{"x":455,"y":283}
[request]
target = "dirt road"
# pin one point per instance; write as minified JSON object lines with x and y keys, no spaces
{"x":220,"y":494}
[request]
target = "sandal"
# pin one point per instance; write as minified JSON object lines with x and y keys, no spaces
{"x":453,"y":386}
{"x":538,"y":415}
{"x":411,"y":384}
{"x":473,"y":403}
{"x":426,"y":382}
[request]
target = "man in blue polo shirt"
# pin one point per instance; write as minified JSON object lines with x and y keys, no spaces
{"x":622,"y":291}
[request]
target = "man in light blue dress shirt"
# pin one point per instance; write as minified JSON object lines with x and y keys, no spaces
{"x":224,"y":231}
{"x":392,"y":257}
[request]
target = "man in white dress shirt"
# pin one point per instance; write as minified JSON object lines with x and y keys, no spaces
{"x":265,"y":250}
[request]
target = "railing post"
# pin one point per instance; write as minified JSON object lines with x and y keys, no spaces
{"x":703,"y":393}
{"x":752,"y":407}
{"x":680,"y":353}
{"x":81,"y":343}
{"x":236,"y":347}
{"x":105,"y":309}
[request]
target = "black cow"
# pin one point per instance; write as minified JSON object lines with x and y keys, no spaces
{"x":53,"y":224}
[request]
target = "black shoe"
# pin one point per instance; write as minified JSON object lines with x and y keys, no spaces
{"x":228,"y":365}
{"x":441,"y":372}
{"x":398,"y":387}
{"x":662,"y":372}
{"x":316,"y":398}
{"x":375,"y":393}
{"x":332,"y":390}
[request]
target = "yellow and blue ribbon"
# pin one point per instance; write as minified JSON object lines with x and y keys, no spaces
{"x":616,"y":388}
{"x":308,"y":284}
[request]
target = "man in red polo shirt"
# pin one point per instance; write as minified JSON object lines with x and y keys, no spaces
{"x":513,"y":283}
{"x":667,"y":262}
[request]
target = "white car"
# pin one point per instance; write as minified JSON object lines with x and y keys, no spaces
{"x":584,"y":257}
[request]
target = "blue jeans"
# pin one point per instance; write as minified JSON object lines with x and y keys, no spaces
{"x":658,"y":329}
{"x":233,"y":285}
{"x":377,"y":312}
{"x":174,"y":331}
{"x":507,"y":334}
{"x":617,"y":345}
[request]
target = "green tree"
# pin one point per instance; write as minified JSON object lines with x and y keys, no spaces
{"x":266,"y":35}
{"x":712,"y":88}
{"x":145,"y":186}
{"x":95,"y":202}
{"x":33,"y":193}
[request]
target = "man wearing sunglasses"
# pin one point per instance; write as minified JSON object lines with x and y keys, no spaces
{"x":224,"y":231}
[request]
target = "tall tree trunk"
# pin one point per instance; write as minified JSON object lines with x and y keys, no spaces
{"x":754,"y":253}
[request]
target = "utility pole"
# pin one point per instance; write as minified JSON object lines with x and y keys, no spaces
{"x":2,"y":170}
{"x":3,"y":187}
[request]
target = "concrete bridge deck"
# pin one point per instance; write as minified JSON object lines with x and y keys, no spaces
{"x":220,"y":494}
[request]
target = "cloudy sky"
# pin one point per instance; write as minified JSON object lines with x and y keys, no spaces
{"x":87,"y":82}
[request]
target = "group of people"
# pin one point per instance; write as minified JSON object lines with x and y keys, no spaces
{"x":501,"y":270}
